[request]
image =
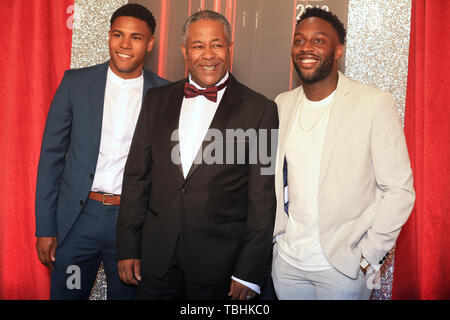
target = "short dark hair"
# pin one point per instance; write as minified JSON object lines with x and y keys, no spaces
{"x":136,"y":11}
{"x":327,"y":16}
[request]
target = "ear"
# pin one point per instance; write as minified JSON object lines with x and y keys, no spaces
{"x":150,"y":44}
{"x":339,"y":51}
{"x":183,"y":50}
{"x":230,"y":48}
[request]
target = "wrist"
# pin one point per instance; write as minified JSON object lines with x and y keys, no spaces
{"x":364,"y":264}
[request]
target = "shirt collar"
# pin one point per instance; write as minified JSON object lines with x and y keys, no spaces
{"x":225,"y":77}
{"x":114,"y":78}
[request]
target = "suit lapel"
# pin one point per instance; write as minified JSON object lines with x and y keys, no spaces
{"x":173,"y":116}
{"x":227,"y":106}
{"x":149,"y":82}
{"x":147,"y":85}
{"x":289,"y":117}
{"x":97,"y":98}
{"x":338,"y":114}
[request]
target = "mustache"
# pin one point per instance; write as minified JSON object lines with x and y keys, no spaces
{"x":310,"y":55}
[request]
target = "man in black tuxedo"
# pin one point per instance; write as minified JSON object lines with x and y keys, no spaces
{"x":196,"y":228}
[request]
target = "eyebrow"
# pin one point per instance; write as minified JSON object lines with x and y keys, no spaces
{"x":200,"y":41}
{"x":133,"y":34}
{"x":317,"y":33}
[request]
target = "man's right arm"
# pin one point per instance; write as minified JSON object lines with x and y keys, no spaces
{"x":134,"y":200}
{"x":135,"y":189}
{"x":52,"y":161}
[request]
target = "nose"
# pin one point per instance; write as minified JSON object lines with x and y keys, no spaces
{"x":209,"y":53}
{"x":307,"y":46}
{"x":125,"y":43}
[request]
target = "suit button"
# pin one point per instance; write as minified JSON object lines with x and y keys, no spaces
{"x":183,"y":190}
{"x":81,"y":202}
{"x":380,"y":262}
{"x":92,"y":176}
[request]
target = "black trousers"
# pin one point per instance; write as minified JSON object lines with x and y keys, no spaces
{"x":173,"y":286}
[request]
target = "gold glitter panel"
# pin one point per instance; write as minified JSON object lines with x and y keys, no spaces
{"x":378,"y":45}
{"x":377,"y":54}
{"x":90,"y":31}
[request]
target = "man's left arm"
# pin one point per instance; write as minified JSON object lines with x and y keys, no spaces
{"x":394,"y":177}
{"x":255,"y":253}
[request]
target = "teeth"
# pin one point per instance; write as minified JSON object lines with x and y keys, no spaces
{"x":308,"y":60}
{"x":209,"y":68}
{"x":123,"y":55}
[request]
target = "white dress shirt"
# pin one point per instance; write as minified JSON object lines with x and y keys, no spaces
{"x":195,"y":119}
{"x":122,"y":104}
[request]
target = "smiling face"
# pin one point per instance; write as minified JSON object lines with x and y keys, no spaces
{"x":316,"y":50}
{"x":207,"y":52}
{"x":129,"y":40}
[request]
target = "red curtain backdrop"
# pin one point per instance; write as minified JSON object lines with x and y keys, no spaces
{"x":422,"y":262}
{"x":35,"y":52}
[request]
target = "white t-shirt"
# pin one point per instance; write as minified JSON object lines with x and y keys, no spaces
{"x":300,"y":245}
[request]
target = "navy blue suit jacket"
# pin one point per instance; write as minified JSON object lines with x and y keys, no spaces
{"x":70,"y":148}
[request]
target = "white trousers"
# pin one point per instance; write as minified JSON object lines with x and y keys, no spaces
{"x":293,"y":284}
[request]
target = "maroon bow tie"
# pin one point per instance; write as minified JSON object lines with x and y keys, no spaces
{"x":210,"y":93}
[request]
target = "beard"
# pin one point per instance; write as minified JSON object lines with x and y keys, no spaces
{"x":321,"y":72}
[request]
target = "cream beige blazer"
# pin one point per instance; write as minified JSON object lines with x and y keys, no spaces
{"x":366,"y":189}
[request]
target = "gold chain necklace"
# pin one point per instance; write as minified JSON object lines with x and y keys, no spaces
{"x":320,"y":117}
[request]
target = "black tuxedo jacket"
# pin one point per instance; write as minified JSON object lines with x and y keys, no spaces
{"x":222,"y":214}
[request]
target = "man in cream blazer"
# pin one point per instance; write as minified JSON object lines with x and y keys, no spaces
{"x":344,"y":184}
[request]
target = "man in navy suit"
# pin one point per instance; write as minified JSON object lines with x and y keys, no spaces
{"x":84,"y":148}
